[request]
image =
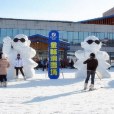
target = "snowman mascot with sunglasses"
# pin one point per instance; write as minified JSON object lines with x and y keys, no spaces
{"x":19,"y":45}
{"x":92,"y":44}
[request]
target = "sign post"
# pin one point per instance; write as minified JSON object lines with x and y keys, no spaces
{"x":53,"y":42}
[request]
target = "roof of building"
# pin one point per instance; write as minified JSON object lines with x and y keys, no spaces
{"x":62,"y":21}
{"x":99,"y":18}
{"x":44,"y":39}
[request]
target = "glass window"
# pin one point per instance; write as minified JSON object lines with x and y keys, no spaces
{"x":95,"y":34}
{"x":43,"y":32}
{"x":98,"y":35}
{"x":70,"y":37}
{"x":15,"y":32}
{"x":3,"y":33}
{"x":75,"y":35}
{"x":80,"y":40}
{"x":101,"y":35}
{"x":32,"y":32}
{"x":89,"y":33}
{"x":20,"y":31}
{"x":105,"y":35}
{"x":9,"y":32}
{"x":47,"y":33}
{"x":26,"y":32}
{"x":38,"y":31}
{"x":108,"y":35}
{"x":111,"y":35}
{"x":85,"y":34}
{"x":60,"y":35}
{"x":65,"y":36}
{"x":81,"y":37}
{"x":92,"y":33}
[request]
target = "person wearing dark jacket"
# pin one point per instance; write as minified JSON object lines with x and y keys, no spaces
{"x":92,"y":64}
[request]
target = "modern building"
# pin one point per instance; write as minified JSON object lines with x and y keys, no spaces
{"x":72,"y":32}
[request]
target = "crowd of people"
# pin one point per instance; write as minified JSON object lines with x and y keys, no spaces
{"x":64,"y":63}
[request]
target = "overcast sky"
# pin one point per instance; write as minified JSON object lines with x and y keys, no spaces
{"x":62,"y":10}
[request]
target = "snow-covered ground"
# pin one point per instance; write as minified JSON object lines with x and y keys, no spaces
{"x":40,"y":95}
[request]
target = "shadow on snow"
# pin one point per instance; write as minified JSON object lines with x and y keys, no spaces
{"x":52,"y":82}
{"x":45,"y":98}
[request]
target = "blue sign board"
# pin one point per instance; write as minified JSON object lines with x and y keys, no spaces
{"x":53,"y":68}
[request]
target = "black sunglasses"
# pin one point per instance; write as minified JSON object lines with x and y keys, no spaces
{"x":16,"y":40}
{"x":91,"y":41}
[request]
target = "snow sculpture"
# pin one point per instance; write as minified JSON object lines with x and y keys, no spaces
{"x":92,"y":44}
{"x":20,"y":44}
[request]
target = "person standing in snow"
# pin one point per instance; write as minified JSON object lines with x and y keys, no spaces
{"x":4,"y":64}
{"x":19,"y":66}
{"x":92,"y":64}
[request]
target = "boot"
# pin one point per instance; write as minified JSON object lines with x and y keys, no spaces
{"x":1,"y":84}
{"x":5,"y":84}
{"x":91,"y":87}
{"x":24,"y":77}
{"x":85,"y":86}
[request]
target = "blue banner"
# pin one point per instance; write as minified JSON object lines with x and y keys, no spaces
{"x":53,"y":68}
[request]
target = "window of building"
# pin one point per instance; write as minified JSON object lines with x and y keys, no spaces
{"x":32,"y":32}
{"x":101,"y":35}
{"x":75,"y":36}
{"x":9,"y":32}
{"x":26,"y":32}
{"x":15,"y":32}
{"x":70,"y":37}
{"x":85,"y":34}
{"x":65,"y":36}
{"x":20,"y":31}
{"x":81,"y":37}
{"x":60,"y":35}
{"x":43,"y":32}
{"x":3,"y":32}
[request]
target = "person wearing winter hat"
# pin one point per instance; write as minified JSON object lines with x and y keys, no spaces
{"x":4,"y":64}
{"x":92,"y":64}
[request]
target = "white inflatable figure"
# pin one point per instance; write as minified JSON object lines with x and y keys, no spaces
{"x":20,"y":44}
{"x":92,"y":44}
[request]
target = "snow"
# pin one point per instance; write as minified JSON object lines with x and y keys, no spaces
{"x":40,"y":95}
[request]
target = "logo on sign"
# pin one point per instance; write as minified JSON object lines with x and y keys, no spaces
{"x":53,"y":36}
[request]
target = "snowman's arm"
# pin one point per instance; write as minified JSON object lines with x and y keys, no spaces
{"x":105,"y":55}
{"x":28,"y":52}
{"x":80,"y":54}
{"x":7,"y":43}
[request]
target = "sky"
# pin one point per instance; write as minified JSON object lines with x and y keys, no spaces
{"x":61,"y":10}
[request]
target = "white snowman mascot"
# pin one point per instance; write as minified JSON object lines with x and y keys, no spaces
{"x":92,"y":44}
{"x":19,"y":45}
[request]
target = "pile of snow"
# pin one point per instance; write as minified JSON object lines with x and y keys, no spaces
{"x":40,"y":95}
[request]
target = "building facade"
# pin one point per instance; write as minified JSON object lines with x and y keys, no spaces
{"x":72,"y":32}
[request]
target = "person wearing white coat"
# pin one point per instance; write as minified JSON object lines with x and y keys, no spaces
{"x":19,"y":66}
